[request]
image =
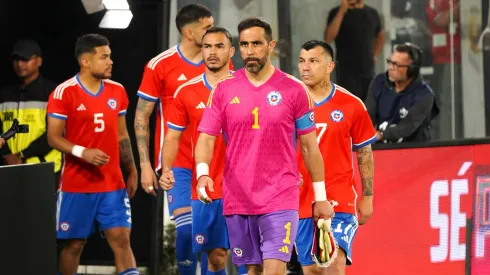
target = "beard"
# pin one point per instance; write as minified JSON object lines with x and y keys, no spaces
{"x":103,"y":75}
{"x":255,"y":68}
{"x":216,"y":67}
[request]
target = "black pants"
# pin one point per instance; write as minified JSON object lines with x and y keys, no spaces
{"x":357,"y":85}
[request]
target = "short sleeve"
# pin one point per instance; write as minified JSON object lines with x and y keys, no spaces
{"x":303,"y":111}
{"x":124,"y":102}
{"x":362,"y":130}
{"x":178,"y":118}
{"x":151,"y":84}
{"x":331,"y":15}
{"x":211,"y":120}
{"x":377,"y":22}
{"x":58,"y":103}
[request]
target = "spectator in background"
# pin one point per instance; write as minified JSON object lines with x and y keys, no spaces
{"x":26,"y":101}
{"x":443,"y":31}
{"x":400,"y":103}
{"x":357,"y":31}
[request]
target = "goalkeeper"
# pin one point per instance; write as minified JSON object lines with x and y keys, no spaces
{"x":343,"y":125}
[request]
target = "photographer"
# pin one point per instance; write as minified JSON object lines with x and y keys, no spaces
{"x":400,"y":103}
{"x":26,"y":101}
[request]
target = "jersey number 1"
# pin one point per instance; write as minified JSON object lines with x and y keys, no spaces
{"x":99,"y":122}
{"x":255,"y":112}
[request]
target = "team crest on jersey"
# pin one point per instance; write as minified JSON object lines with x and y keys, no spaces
{"x":112,"y":103}
{"x":337,"y":116}
{"x":238,"y":252}
{"x":199,"y":239}
{"x":274,"y":98}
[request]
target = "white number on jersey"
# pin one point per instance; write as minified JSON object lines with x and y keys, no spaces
{"x":323,"y":128}
{"x":99,"y":122}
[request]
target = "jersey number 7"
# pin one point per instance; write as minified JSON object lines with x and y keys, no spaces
{"x":99,"y":122}
{"x":323,"y":128}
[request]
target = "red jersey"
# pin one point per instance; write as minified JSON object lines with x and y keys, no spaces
{"x":161,"y":78}
{"x":91,"y":122}
{"x":186,"y":112}
{"x":342,"y":124}
{"x":441,"y":36}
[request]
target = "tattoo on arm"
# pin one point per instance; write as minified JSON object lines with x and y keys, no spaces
{"x":144,"y":109}
{"x":365,"y":163}
{"x":126,"y":153}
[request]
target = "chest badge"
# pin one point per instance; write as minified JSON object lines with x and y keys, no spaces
{"x":274,"y":98}
{"x":337,"y":115}
{"x":112,"y":103}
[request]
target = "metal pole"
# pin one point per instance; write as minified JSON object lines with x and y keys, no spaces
{"x":452,"y":30}
{"x":157,"y":231}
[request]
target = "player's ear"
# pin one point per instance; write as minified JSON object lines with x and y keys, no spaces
{"x":272,"y":46}
{"x":232,"y":51}
{"x":331,"y":66}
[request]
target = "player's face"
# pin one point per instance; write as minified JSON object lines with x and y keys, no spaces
{"x":216,"y":51}
{"x":100,"y":62}
{"x":199,"y":28}
{"x":315,"y":66}
{"x":397,"y":66}
{"x":254,"y":49}
{"x":26,"y":68}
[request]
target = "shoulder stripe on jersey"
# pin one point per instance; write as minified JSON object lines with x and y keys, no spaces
{"x":210,"y":99}
{"x":194,"y":80}
{"x":60,"y":89}
{"x":311,"y":103}
{"x":153,"y":63}
{"x":343,"y":90}
{"x":113,"y":82}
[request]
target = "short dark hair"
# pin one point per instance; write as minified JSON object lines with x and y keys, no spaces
{"x":219,"y":30}
{"x":317,"y":43}
{"x":414,"y":52}
{"x":88,"y":42}
{"x":190,"y":14}
{"x":256,"y":22}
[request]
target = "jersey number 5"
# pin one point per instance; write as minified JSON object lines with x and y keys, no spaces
{"x":99,"y":122}
{"x":255,"y":112}
{"x":323,"y":128}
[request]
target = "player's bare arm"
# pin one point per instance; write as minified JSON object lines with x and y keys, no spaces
{"x":170,"y":151}
{"x":314,"y":164}
{"x":203,"y":156}
{"x":56,"y":127}
{"x":365,"y":162}
{"x":144,"y":108}
{"x":126,"y":155}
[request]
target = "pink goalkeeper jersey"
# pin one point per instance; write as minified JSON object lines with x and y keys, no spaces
{"x":260,"y":125}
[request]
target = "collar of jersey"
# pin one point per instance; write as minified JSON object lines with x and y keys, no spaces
{"x":328,"y":97}
{"x":86,"y":90}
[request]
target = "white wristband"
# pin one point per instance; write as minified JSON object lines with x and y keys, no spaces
{"x":203,"y":192}
{"x":202,"y":169}
{"x":319,"y":189}
{"x":77,"y":151}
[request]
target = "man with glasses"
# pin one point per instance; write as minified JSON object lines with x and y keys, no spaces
{"x":400,"y":103}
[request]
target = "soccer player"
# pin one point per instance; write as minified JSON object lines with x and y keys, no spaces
{"x":343,"y":125}
{"x":162,"y":76}
{"x":208,"y":222}
{"x":87,"y":123}
{"x":260,"y":110}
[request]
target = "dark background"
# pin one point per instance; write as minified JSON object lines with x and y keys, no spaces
{"x":55,"y":25}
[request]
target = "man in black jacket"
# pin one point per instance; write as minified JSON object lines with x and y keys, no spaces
{"x":26,"y":101}
{"x":400,"y":103}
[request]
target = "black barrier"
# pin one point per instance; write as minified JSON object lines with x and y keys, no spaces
{"x":27,"y":217}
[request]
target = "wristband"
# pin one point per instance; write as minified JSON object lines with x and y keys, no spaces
{"x":202,"y":169}
{"x":77,"y":151}
{"x":319,"y":189}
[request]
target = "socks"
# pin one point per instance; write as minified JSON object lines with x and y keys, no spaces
{"x":242,"y":269}
{"x":186,"y":259}
{"x":221,"y":272}
{"x":130,"y":271}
